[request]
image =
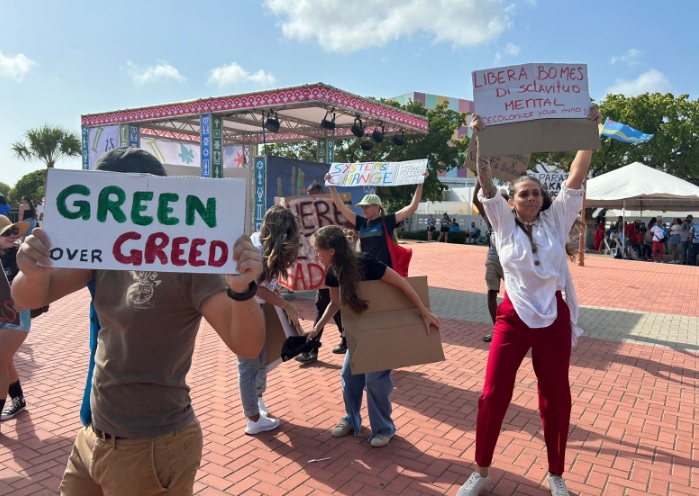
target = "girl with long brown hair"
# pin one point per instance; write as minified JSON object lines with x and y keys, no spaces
{"x":278,"y":242}
{"x":346,"y":269}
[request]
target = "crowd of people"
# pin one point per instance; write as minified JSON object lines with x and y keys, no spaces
{"x":529,"y":234}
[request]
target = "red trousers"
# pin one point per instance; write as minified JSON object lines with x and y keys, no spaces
{"x":658,"y":247}
{"x":551,"y":348}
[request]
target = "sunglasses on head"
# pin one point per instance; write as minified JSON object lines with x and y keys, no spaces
{"x":13,"y":231}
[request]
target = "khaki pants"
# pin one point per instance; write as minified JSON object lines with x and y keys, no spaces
{"x":133,"y":467}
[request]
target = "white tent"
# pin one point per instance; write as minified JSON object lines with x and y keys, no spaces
{"x":639,"y":187}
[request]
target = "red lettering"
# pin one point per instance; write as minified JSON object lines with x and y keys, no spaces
{"x":302,"y":208}
{"x":177,"y":251}
{"x":322,"y":209}
{"x":195,"y":252}
{"x":155,"y":245}
{"x":135,"y":257}
{"x":218,"y":253}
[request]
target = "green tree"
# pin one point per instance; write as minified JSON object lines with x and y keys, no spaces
{"x":30,"y":185}
{"x":5,"y":189}
{"x":47,"y":144}
{"x":674,"y":148}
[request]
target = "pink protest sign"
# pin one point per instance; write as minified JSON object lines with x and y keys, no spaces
{"x":531,"y":91}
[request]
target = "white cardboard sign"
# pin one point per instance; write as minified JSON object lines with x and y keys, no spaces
{"x":376,"y":173}
{"x":113,"y":221}
{"x":527,"y":92}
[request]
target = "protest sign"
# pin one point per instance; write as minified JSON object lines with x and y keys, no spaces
{"x":377,"y":173}
{"x":313,"y":212}
{"x":392,"y":322}
{"x":112,"y":221}
{"x":550,"y":181}
{"x":8,"y":314}
{"x":505,"y":167}
{"x":534,"y":108}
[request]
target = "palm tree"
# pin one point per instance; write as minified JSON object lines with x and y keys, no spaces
{"x":48,"y":144}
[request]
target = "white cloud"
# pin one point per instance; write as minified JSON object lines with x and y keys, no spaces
{"x":15,"y":67}
{"x":361,"y":24}
{"x":234,"y":73}
{"x":145,"y":75}
{"x":510,"y":50}
{"x":630,"y":57}
{"x":649,"y":82}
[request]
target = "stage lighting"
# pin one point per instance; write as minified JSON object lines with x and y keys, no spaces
{"x":357,"y":128}
{"x":328,"y":124}
{"x":377,"y":135}
{"x":272,"y":123}
{"x":399,"y":139}
{"x":367,"y":145}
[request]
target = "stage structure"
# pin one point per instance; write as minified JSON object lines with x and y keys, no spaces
{"x":218,"y":137}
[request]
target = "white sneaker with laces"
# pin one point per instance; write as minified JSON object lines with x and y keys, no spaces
{"x":342,"y":429}
{"x":263,"y":424}
{"x":380,"y":440}
{"x":474,"y":485}
{"x":261,"y":406}
{"x":557,"y":485}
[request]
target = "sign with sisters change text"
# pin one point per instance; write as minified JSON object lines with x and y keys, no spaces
{"x":534,"y":108}
{"x":113,"y":221}
{"x":377,"y":173}
{"x":312,"y":212}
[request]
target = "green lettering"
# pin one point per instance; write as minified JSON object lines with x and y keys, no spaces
{"x":137,"y":207}
{"x":105,"y":204}
{"x":208,"y":214}
{"x":83,"y":206}
{"x":164,"y":210}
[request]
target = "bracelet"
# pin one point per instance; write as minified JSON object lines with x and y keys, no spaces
{"x":252,"y":289}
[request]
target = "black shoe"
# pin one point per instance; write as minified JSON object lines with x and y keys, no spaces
{"x":310,"y":357}
{"x":340,"y":348}
{"x":488,"y":338}
{"x":17,"y":405}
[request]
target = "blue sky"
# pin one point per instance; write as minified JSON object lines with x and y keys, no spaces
{"x":59,"y":60}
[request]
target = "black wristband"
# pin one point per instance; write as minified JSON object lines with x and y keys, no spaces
{"x":252,"y":289}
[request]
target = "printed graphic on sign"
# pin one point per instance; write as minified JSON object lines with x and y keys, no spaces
{"x":112,"y":221}
{"x":531,"y":91}
{"x":101,"y":140}
{"x":260,"y":166}
{"x":377,"y":173}
{"x":313,"y":212}
{"x":205,"y":136}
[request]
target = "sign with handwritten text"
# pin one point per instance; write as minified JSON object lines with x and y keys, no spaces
{"x":531,"y":91}
{"x":112,"y":221}
{"x":377,"y":173}
{"x":505,"y":167}
{"x":313,"y":212}
{"x":551,"y":181}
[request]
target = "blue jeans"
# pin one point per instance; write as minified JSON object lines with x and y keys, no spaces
{"x":252,"y":381}
{"x":378,"y":391}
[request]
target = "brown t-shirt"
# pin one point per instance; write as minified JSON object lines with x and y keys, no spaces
{"x":149,"y":322}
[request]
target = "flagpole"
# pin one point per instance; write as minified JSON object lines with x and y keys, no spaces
{"x":581,"y":245}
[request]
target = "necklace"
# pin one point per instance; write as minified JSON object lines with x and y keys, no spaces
{"x":527,"y":223}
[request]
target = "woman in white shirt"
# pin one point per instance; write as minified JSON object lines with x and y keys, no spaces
{"x":658,"y":242}
{"x":531,"y":235}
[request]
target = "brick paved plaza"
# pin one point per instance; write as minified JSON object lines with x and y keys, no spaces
{"x":634,"y":426}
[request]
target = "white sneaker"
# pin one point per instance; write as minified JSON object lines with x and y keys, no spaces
{"x":557,"y":485}
{"x":263,"y":424}
{"x":474,"y":485}
{"x":261,"y":406}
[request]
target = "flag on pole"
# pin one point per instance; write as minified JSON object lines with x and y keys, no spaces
{"x":622,"y":132}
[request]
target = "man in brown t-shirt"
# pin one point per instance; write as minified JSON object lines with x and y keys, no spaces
{"x":144,"y":437}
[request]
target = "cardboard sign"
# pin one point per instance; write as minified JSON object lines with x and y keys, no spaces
{"x":546,"y":135}
{"x":313,"y":212}
{"x":377,"y":173}
{"x":277,"y":329}
{"x":390,"y":323}
{"x":531,"y":91}
{"x":505,"y":167}
{"x":8,"y":314}
{"x":112,"y":221}
{"x":550,"y":181}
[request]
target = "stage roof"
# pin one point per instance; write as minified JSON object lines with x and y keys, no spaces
{"x":299,"y":109}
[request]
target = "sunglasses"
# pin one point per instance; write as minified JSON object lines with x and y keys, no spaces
{"x":13,"y":231}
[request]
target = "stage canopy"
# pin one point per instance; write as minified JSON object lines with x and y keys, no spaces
{"x":299,"y":111}
{"x":639,"y":187}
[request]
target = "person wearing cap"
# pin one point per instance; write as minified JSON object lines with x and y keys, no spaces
{"x":144,"y":437}
{"x":11,"y":335}
{"x":371,"y":223}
